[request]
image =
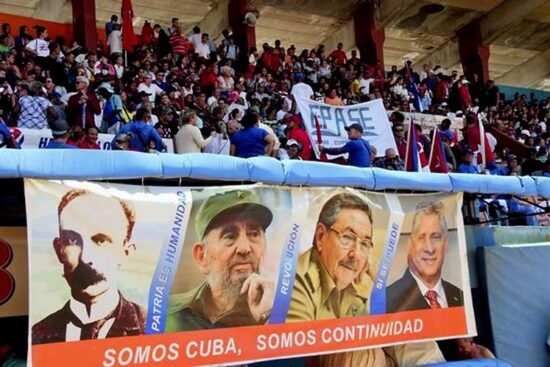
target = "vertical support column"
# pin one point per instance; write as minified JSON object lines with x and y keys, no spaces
{"x":84,"y":23}
{"x":368,"y":38}
{"x":245,"y":36}
{"x":474,"y":55}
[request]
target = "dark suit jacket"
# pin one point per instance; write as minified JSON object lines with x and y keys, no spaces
{"x":404,"y":295}
{"x":129,"y":321}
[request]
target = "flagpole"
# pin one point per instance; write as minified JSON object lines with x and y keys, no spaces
{"x":482,"y":144}
{"x":434,"y":138}
{"x":408,"y":143}
{"x":322,"y":155}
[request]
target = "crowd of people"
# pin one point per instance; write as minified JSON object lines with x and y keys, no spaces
{"x":210,"y":96}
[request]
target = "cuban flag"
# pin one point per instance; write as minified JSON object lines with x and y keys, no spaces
{"x":438,"y":162}
{"x":415,"y":158}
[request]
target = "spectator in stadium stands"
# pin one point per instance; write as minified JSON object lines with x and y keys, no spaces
{"x":358,"y":149}
{"x":89,"y":140}
{"x":531,"y":164}
{"x":390,"y":161}
{"x":400,"y":140}
{"x":39,"y":46}
{"x":202,"y":49}
{"x":115,"y":40}
{"x":4,"y":45}
{"x":142,"y":133}
{"x":60,"y":134}
{"x":511,"y":168}
{"x":295,"y":132}
{"x":22,"y":39}
{"x":35,"y":109}
{"x":468,"y":166}
{"x":8,"y":140}
{"x":150,"y":88}
{"x":112,"y":109}
{"x":109,"y":26}
{"x":123,"y":142}
{"x":83,"y":106}
{"x":301,"y":89}
{"x":6,"y":31}
{"x":333,"y":99}
{"x":189,"y":138}
{"x":293,"y":149}
{"x":339,"y":55}
{"x":251,"y":141}
{"x":467,"y":349}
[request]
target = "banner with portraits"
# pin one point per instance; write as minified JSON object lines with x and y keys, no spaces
{"x":184,"y":276}
{"x":330,"y":122}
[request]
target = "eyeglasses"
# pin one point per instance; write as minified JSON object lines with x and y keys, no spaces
{"x":348,"y":241}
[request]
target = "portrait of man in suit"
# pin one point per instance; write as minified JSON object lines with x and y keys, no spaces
{"x":422,"y":286}
{"x":92,"y":248}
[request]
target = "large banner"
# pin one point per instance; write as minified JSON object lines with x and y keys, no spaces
{"x":333,"y":119}
{"x":169,"y":276}
{"x":13,"y":272}
{"x":37,"y":139}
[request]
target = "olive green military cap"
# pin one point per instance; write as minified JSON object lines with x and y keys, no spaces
{"x":239,"y":202}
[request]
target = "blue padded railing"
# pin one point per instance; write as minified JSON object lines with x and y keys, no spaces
{"x":89,"y":164}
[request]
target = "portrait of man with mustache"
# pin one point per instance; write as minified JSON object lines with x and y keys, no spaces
{"x":231,"y":227}
{"x":326,"y":285}
{"x":329,"y":276}
{"x":92,"y":251}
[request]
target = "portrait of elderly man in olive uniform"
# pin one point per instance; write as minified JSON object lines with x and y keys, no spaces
{"x":231,"y":229}
{"x":92,"y":250}
{"x":329,"y":277}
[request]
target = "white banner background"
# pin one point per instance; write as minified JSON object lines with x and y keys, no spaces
{"x":332,"y":119}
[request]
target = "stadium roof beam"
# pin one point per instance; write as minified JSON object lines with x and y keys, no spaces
{"x":504,"y":15}
{"x":528,"y":73}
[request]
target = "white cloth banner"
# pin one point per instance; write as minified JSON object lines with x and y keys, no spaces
{"x":37,"y":139}
{"x":333,"y":119}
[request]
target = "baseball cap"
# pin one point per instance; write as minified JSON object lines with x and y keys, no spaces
{"x":59,"y":127}
{"x":106,"y":86}
{"x":239,"y":201}
{"x":525,"y":132}
{"x":292,"y":142}
{"x":144,"y":93}
{"x":511,"y":157}
{"x":355,"y":126}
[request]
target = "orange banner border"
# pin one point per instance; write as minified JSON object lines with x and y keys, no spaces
{"x":254,"y":343}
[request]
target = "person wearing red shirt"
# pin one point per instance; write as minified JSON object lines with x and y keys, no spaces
{"x":295,"y":132}
{"x":441,"y":89}
{"x":89,"y":141}
{"x":208,"y":78}
{"x":465,"y":100}
{"x":82,"y":106}
{"x":266,"y":57}
{"x":339,"y":55}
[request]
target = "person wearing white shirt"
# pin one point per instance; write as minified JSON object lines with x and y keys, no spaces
{"x":301,"y":89}
{"x":153,"y":90}
{"x":189,"y":138}
{"x":39,"y":45}
{"x":364,"y":83}
{"x":115,"y":40}
{"x":202,"y":49}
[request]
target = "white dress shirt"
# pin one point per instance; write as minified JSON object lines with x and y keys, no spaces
{"x":441,"y":298}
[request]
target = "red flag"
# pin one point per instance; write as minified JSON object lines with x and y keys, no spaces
{"x":438,"y":163}
{"x":323,"y":156}
{"x":128,"y":35}
{"x":415,"y":158}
